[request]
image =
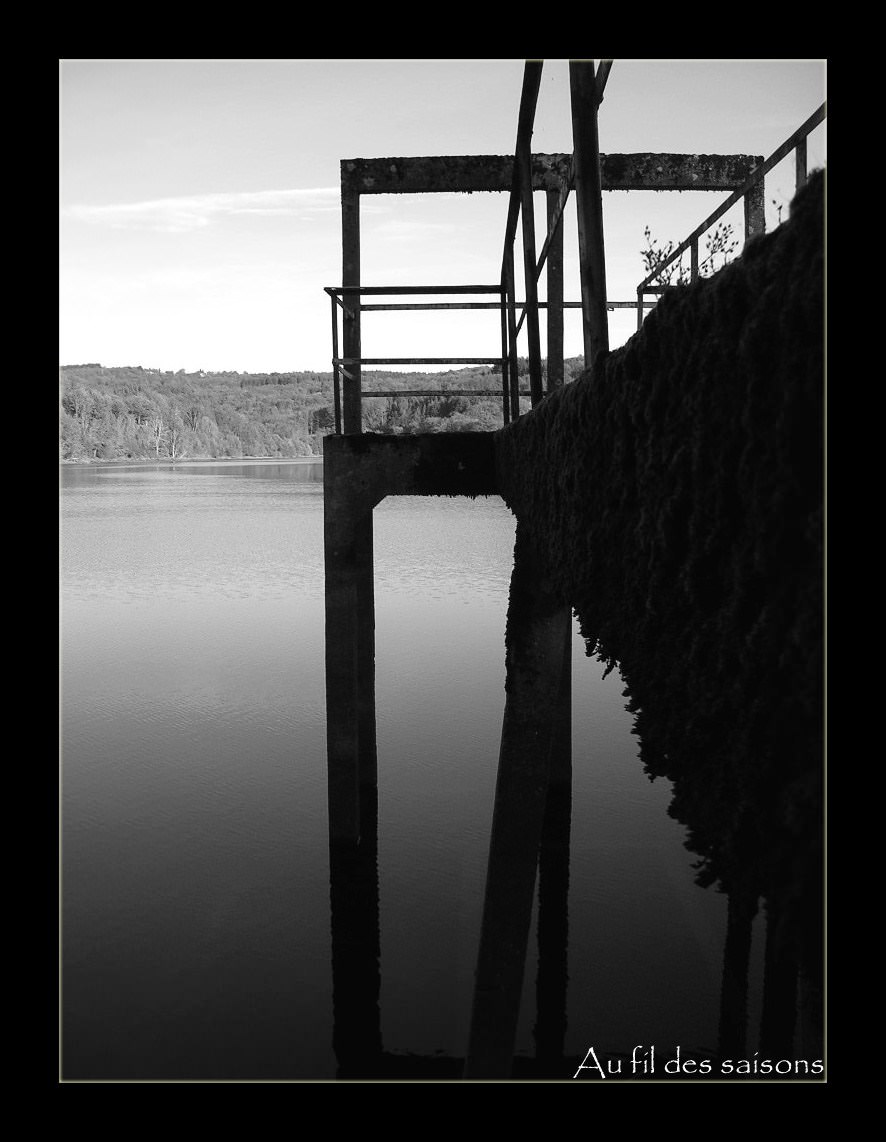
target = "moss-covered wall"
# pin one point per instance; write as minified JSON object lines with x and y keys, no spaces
{"x":679,"y":487}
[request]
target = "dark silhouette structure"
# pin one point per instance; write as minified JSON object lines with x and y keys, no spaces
{"x":672,"y":498}
{"x":680,"y":485}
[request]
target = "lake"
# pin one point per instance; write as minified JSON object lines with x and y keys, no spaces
{"x":196,"y":935}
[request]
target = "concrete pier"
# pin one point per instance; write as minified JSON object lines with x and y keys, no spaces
{"x":673,"y":496}
{"x":359,"y":472}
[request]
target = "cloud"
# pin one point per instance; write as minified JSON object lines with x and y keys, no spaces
{"x":193,"y":212}
{"x":405,"y":230}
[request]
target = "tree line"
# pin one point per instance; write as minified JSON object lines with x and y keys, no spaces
{"x":147,"y":414}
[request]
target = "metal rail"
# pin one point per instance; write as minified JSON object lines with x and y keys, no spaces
{"x":488,"y":305}
{"x":796,"y":142}
{"x":587,"y":84}
{"x":417,"y":360}
{"x":340,"y":363}
{"x":438,"y":393}
{"x":558,"y":176}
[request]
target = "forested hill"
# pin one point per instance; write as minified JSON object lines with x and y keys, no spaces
{"x":137,"y":413}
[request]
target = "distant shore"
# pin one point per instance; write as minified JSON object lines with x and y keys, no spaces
{"x":167,"y":462}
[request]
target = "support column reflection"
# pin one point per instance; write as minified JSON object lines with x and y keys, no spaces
{"x":538,"y":629}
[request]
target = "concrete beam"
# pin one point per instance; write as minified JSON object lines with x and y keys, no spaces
{"x":441,"y":173}
{"x":358,"y":472}
{"x":471,"y":173}
{"x":676,"y":172}
{"x":363,"y":469}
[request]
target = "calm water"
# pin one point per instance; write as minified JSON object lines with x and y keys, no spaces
{"x":196,"y":920}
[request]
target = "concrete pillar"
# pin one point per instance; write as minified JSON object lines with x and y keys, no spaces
{"x":755,"y":211}
{"x":356,"y":971}
{"x":350,"y":645}
{"x":350,"y":276}
{"x":351,"y":763}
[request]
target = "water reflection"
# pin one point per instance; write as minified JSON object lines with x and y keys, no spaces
{"x":530,"y":834}
{"x":356,"y":972}
{"x":530,"y":823}
{"x":536,"y":726}
{"x":196,"y":879}
{"x":308,"y":471}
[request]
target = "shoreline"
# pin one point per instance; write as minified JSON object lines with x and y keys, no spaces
{"x":166,"y":462}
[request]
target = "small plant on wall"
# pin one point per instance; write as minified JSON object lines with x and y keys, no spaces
{"x":720,"y":244}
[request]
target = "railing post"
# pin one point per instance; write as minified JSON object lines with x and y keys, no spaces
{"x":755,"y":211}
{"x":800,"y":164}
{"x":693,"y":261}
{"x":350,"y":244}
{"x":589,"y":207}
{"x":555,"y":295}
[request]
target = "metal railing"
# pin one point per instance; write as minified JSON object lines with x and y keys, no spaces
{"x":587,"y":84}
{"x":340,"y":364}
{"x":796,"y":143}
{"x":586,"y":89}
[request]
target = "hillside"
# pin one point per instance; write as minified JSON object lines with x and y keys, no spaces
{"x":137,"y":413}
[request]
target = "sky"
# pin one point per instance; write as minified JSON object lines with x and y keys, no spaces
{"x":200,"y":199}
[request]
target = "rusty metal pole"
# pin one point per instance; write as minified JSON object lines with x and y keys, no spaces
{"x":513,"y":374}
{"x":589,"y":207}
{"x":350,"y":245}
{"x":555,"y":295}
{"x":527,"y":212}
{"x":336,"y":370}
{"x":505,"y":397}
